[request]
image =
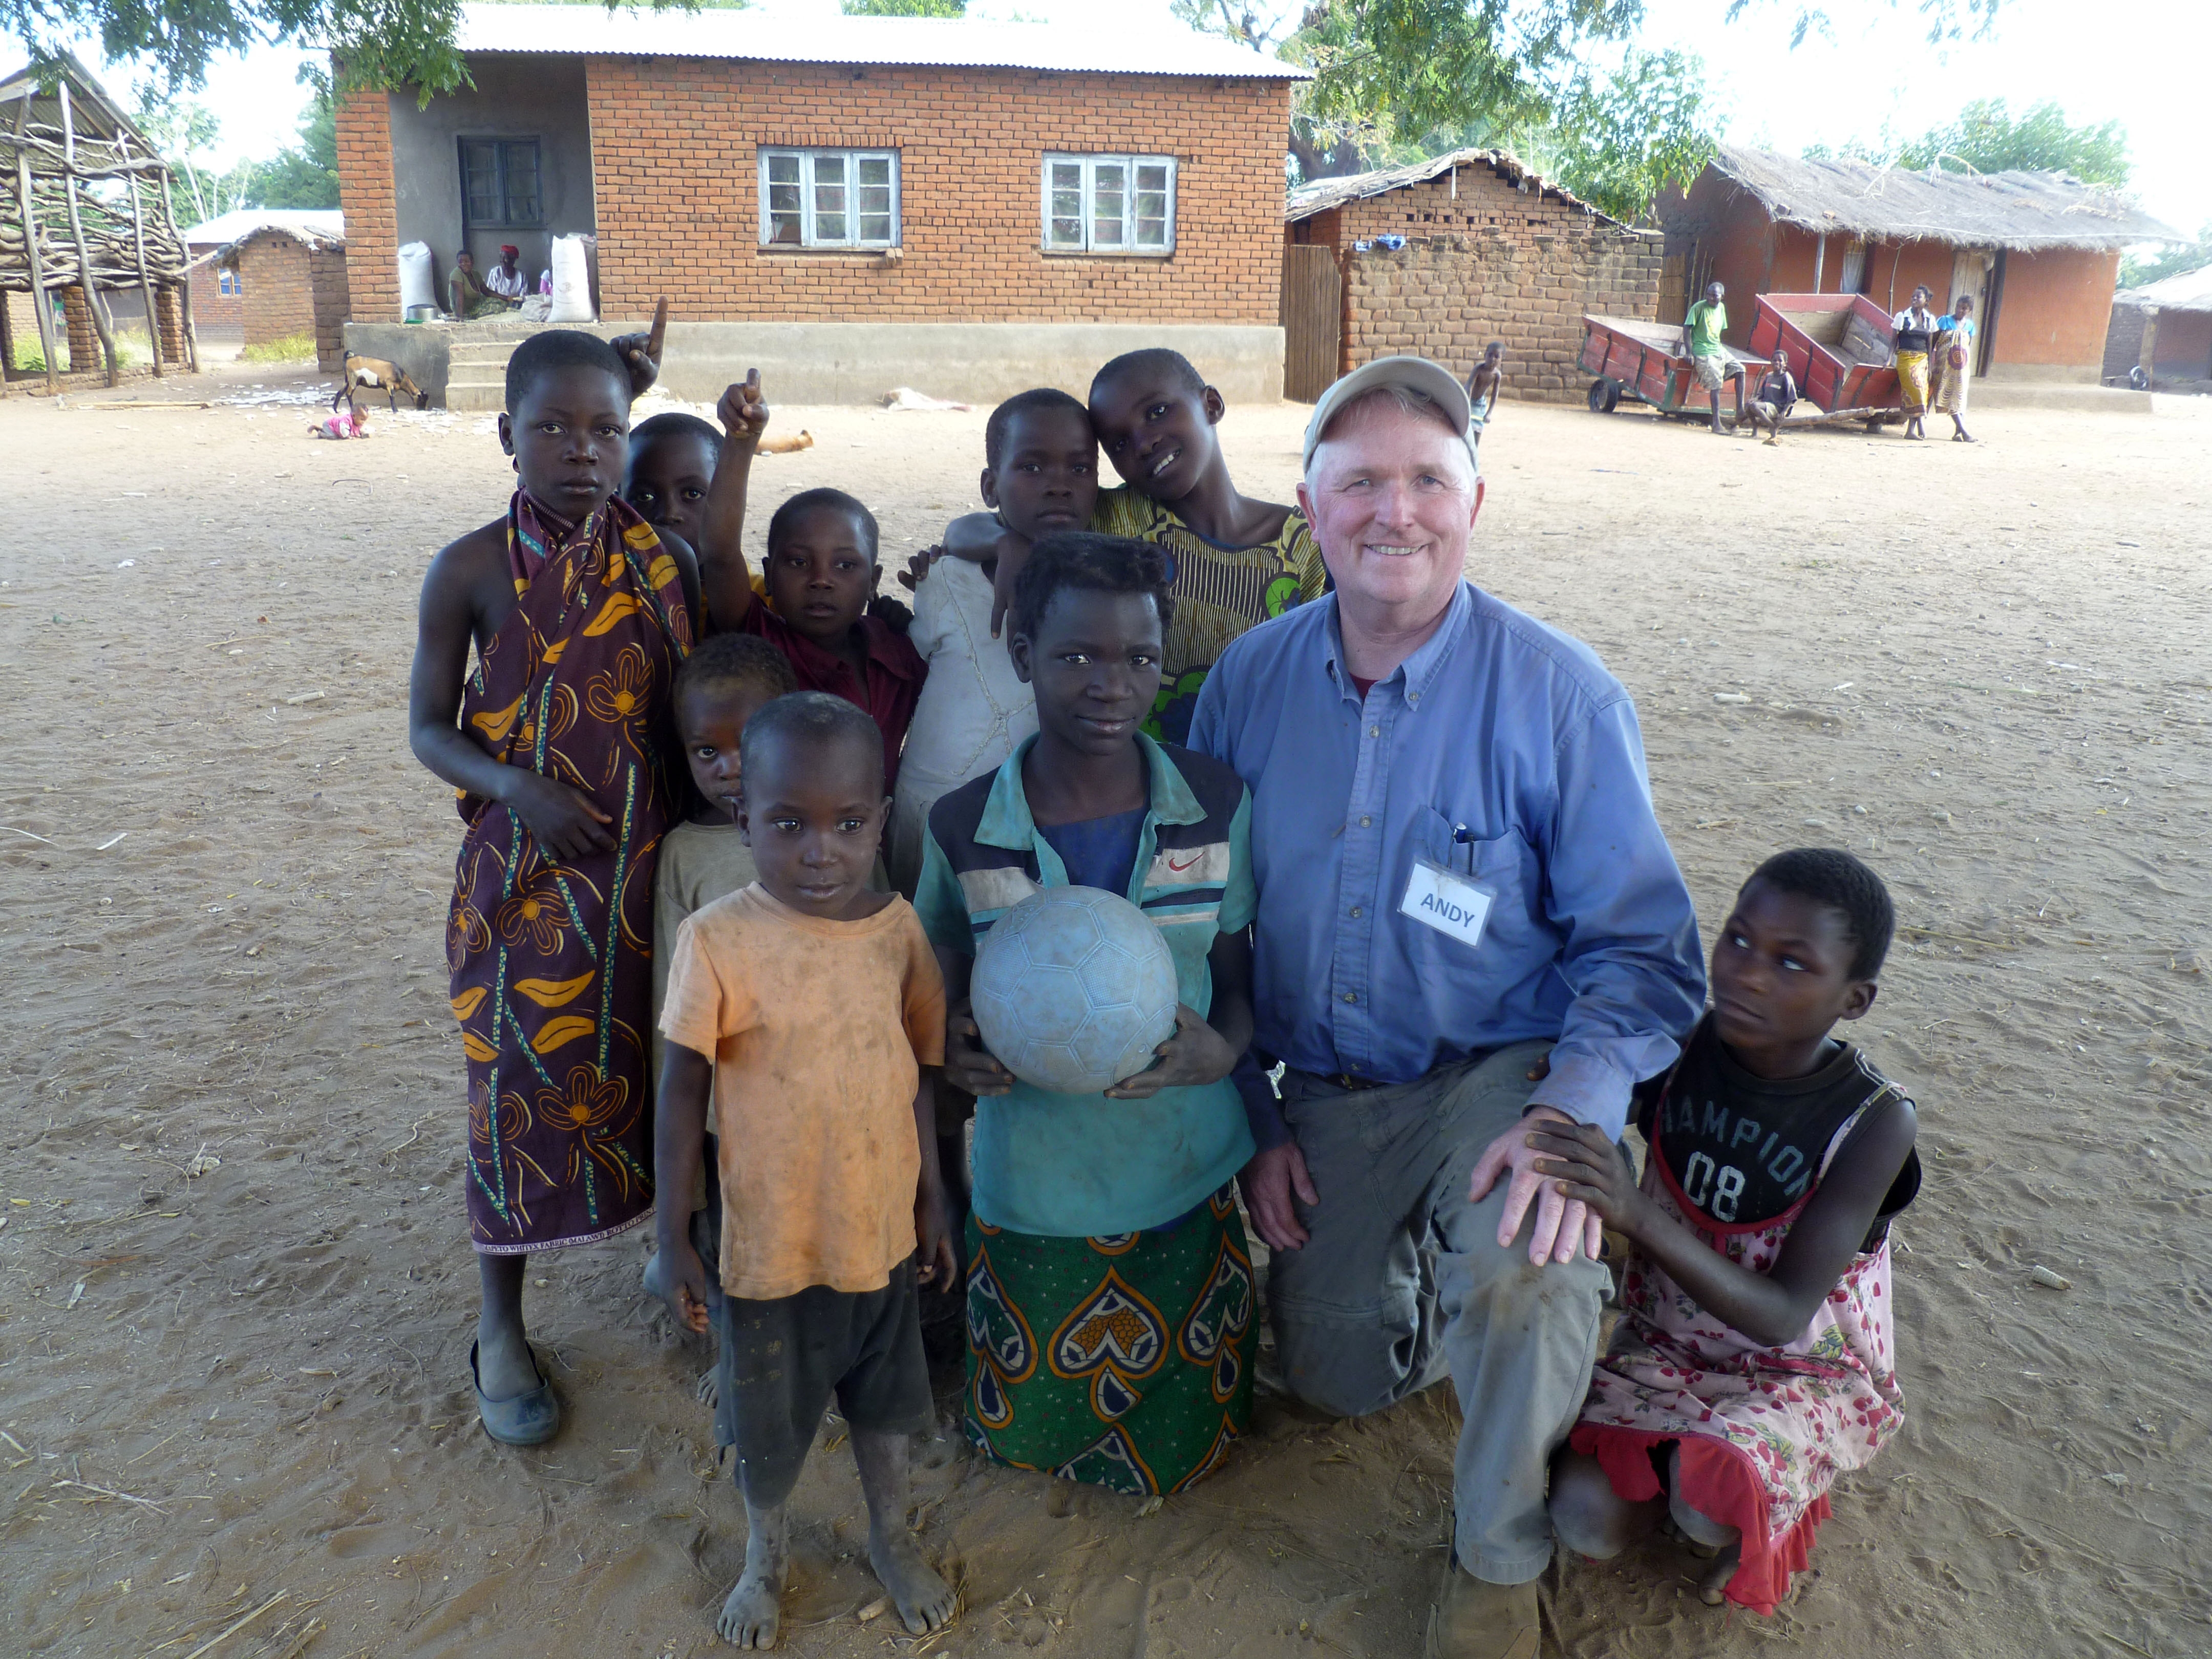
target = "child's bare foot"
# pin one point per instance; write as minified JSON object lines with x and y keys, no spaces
{"x":752,"y":1616}
{"x":925,"y":1600}
{"x":1712,"y":1586}
{"x":710,"y":1387}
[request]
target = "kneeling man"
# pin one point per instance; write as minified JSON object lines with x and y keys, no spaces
{"x":1459,"y":872}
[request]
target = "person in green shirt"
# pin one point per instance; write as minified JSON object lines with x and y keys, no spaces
{"x":1701,"y":338}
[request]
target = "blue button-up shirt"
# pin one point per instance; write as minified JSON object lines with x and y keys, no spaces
{"x":1502,"y":745}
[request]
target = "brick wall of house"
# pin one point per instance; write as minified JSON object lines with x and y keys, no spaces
{"x":371,"y":204}
{"x":83,"y":340}
{"x":331,"y":302}
{"x":211,"y":307}
{"x":1491,"y":261}
{"x":277,"y":300}
{"x":675,"y":144}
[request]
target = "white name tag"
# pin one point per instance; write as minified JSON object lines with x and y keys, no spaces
{"x":1452,"y":904}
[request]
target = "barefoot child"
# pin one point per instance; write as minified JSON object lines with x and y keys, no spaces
{"x":1756,"y":1360}
{"x":808,"y":1005}
{"x":721,"y":685}
{"x":1040,"y":475}
{"x":1110,"y":1300}
{"x":1236,"y":562}
{"x":558,"y":745}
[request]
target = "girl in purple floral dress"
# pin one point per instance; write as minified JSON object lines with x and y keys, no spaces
{"x":1756,"y":1359}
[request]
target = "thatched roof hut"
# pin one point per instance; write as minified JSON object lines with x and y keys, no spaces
{"x":2038,"y":252}
{"x":84,"y":205}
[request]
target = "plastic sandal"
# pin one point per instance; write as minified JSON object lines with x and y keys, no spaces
{"x":528,"y":1419}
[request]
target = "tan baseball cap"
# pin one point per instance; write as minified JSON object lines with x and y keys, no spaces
{"x":1429,"y":379}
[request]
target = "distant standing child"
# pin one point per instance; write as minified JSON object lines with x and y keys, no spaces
{"x":560,"y":748}
{"x":1040,"y":475}
{"x":1778,"y":396}
{"x":807,"y":1007}
{"x":1954,"y":364}
{"x":822,"y":567}
{"x":1236,"y":562}
{"x":1483,"y":385}
{"x":1756,"y":1360}
{"x":1709,"y":356}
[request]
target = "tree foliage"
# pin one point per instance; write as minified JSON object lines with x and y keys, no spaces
{"x":1987,"y":138}
{"x":2169,"y":262}
{"x":302,"y":175}
{"x":904,"y":8}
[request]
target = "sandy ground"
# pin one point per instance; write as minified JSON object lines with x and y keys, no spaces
{"x":244,"y":1391}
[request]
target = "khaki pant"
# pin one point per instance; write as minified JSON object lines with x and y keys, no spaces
{"x":1403,"y":1282}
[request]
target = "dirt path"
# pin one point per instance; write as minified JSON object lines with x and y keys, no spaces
{"x":1982,"y":668}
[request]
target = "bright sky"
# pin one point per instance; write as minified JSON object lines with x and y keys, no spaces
{"x":1876,"y":70}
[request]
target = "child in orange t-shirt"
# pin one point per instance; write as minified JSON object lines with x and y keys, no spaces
{"x":811,"y":1007}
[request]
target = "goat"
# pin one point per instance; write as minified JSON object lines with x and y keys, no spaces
{"x":379,"y":375}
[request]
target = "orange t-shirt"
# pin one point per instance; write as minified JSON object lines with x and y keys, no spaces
{"x":817,"y":1030}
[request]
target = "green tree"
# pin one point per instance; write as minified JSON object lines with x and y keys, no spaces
{"x":1987,"y":138}
{"x":305,"y":175}
{"x":2172,"y":262}
{"x":904,"y":8}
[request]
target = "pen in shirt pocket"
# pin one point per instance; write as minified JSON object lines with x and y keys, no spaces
{"x":1463,"y":837}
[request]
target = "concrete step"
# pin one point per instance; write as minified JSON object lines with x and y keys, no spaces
{"x":482,"y":396}
{"x":2071,"y":396}
{"x":483,"y":351}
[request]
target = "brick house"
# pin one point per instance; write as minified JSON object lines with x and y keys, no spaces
{"x":2165,"y":329}
{"x":289,"y":277}
{"x":1483,"y":250}
{"x":851,"y":202}
{"x":2039,"y":252}
{"x":218,"y":289}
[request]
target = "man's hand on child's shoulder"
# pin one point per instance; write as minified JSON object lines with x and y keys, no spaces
{"x":743,"y":412}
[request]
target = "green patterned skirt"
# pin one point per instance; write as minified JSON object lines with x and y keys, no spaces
{"x":1124,"y":1362}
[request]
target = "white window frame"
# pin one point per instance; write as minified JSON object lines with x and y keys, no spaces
{"x":1089,"y":243}
{"x":810,"y":195}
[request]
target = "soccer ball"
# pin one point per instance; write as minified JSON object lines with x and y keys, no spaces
{"x":1074,"y":988}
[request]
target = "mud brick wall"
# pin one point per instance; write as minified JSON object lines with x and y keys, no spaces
{"x":83,"y":340}
{"x":277,"y":297}
{"x":1493,"y":261}
{"x":372,"y":207}
{"x":211,"y":306}
{"x":169,"y":313}
{"x":331,"y":302}
{"x":674,"y":153}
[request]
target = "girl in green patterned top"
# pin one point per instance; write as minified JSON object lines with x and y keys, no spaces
{"x":1237,"y":561}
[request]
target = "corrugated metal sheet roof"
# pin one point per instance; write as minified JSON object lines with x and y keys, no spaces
{"x":2016,"y":210}
{"x":949,"y":43}
{"x":310,"y":225}
{"x":1303,"y":201}
{"x":2191,"y":290}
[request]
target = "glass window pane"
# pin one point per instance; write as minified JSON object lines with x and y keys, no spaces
{"x":785,"y":217}
{"x":1154,"y":229}
{"x":480,"y":178}
{"x":875,"y":170}
{"x":783,"y":169}
{"x":521,"y":170}
{"x":1065,"y":226}
{"x":829,"y":198}
{"x":875,"y":226}
{"x":1108,"y":203}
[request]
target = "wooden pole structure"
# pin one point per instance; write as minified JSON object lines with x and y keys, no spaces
{"x":92,"y":300}
{"x":184,"y":288}
{"x":145,"y":277}
{"x":2148,"y":358}
{"x":39,"y":304}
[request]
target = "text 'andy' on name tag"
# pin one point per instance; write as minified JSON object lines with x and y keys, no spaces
{"x":1451,"y":904}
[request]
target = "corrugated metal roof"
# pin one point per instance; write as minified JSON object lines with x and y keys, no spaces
{"x":2018,"y":210}
{"x":2190,"y":290}
{"x":1303,"y":201}
{"x":309,"y":224}
{"x":949,"y":43}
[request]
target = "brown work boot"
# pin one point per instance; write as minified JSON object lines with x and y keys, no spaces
{"x":1474,"y":1619}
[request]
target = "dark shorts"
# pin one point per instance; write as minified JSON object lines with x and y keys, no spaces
{"x":782,"y":1360}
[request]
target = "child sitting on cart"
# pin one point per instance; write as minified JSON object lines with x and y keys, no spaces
{"x":1777,"y":394}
